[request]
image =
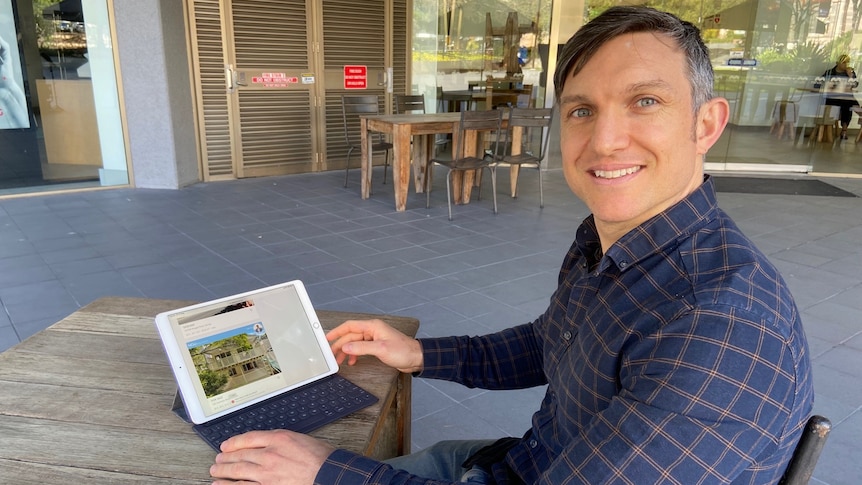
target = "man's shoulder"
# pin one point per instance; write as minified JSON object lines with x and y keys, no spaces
{"x":727,"y":269}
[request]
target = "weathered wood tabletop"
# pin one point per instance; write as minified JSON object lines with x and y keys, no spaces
{"x":88,"y":400}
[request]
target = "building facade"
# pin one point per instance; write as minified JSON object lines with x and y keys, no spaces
{"x":167,"y":93}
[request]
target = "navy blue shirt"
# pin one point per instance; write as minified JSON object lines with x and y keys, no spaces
{"x":677,"y":357}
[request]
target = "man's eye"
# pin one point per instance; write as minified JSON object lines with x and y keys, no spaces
{"x":644,"y":102}
{"x":581,"y":112}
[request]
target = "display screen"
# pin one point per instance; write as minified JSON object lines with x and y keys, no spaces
{"x":243,"y":350}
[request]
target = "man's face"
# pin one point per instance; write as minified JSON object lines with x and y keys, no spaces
{"x":630,"y":142}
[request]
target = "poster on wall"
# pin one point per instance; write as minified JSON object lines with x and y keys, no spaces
{"x":13,"y":102}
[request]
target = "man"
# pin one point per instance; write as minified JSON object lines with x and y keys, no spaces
{"x":672,"y":349}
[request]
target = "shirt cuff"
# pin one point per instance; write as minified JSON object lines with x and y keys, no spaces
{"x":439,"y":357}
{"x":346,"y":467}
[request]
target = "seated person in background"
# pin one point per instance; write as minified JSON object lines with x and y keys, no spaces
{"x":843,"y":101}
{"x":672,"y":349}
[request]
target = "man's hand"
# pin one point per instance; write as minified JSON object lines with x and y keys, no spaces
{"x":374,"y":337}
{"x":277,"y":457}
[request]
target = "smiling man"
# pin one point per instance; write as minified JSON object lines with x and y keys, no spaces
{"x":672,"y":349}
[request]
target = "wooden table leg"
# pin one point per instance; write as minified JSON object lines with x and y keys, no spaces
{"x":462,"y":187}
{"x":421,"y":155}
{"x":365,"y":174}
{"x":403,"y":413}
{"x":514,"y":170}
{"x":401,"y":165}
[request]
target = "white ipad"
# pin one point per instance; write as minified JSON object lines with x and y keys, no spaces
{"x":230,"y":353}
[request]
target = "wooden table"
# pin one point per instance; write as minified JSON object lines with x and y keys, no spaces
{"x":404,"y":127}
{"x":88,"y":400}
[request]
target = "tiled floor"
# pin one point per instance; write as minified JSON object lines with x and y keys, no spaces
{"x":476,"y":274}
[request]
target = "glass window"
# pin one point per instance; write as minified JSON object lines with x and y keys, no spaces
{"x":60,"y":124}
{"x":773,"y":62}
{"x":476,"y":54}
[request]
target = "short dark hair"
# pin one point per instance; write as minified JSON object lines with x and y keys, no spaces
{"x":620,"y":20}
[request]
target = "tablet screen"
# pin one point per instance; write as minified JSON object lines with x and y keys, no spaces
{"x":244,"y":349}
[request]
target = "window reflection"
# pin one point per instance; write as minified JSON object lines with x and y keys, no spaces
{"x":62,"y":57}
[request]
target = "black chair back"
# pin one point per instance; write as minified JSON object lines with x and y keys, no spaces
{"x":807,"y":451}
{"x":352,"y":107}
{"x":409,"y":103}
{"x":534,"y":140}
{"x":488,"y":122}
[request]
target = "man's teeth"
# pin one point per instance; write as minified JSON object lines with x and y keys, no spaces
{"x":612,"y":174}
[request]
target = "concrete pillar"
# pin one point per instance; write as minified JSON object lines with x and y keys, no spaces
{"x":157,"y":94}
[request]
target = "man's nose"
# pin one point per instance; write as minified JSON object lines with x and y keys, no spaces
{"x":610,"y":132}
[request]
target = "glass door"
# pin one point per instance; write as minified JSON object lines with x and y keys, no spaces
{"x":60,"y":122}
{"x":772,"y":61}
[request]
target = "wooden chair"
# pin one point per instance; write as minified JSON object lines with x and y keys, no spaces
{"x":825,"y":125}
{"x":487,"y":123}
{"x":353,"y":106}
{"x":807,"y":451}
{"x":784,"y":117}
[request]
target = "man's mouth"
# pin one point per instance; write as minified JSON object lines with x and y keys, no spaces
{"x":612,"y":174}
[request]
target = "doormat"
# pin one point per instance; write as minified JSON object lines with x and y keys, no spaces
{"x":776,"y":186}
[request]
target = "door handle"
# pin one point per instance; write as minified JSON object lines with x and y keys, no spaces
{"x":228,"y":78}
{"x":239,"y":79}
{"x":232,"y":78}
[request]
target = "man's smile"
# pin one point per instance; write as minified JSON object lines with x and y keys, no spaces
{"x":612,"y":174}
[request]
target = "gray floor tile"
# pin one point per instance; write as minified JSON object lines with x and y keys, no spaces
{"x":67,"y":255}
{"x":87,"y":288}
{"x":37,"y":301}
{"x":8,"y":337}
{"x":454,"y":422}
{"x":477,"y":274}
{"x":511,"y":410}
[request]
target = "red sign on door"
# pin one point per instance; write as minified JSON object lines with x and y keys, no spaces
{"x":355,"y":77}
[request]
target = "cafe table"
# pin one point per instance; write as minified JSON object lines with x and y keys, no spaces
{"x":89,"y":399}
{"x":421,"y":128}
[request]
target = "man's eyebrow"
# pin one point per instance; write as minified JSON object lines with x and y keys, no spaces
{"x":654,"y":84}
{"x":574,"y":98}
{"x":649,"y":85}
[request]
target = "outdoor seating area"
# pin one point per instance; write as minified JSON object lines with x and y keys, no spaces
{"x":478,"y":273}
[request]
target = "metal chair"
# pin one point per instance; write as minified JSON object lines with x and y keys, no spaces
{"x":409,"y":103}
{"x":534,"y":140}
{"x":807,"y":451}
{"x":352,"y":107}
{"x":484,"y":122}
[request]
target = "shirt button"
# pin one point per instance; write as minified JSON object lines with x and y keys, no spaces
{"x":623,"y":264}
{"x":567,"y":335}
{"x":534,"y":443}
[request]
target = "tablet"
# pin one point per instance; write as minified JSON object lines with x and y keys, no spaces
{"x":233,"y":352}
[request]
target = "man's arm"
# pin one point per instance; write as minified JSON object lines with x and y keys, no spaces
{"x":510,"y":359}
{"x":701,"y":400}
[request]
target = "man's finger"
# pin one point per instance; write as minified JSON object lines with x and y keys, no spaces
{"x":252,"y":439}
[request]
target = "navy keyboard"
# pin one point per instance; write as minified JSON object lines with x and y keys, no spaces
{"x":302,"y":410}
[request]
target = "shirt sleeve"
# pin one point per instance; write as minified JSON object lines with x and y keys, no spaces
{"x":700,"y":400}
{"x":343,"y":467}
{"x":510,"y":359}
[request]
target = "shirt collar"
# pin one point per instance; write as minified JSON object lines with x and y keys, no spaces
{"x":675,"y":223}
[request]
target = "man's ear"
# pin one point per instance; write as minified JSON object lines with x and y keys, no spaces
{"x":711,"y":120}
